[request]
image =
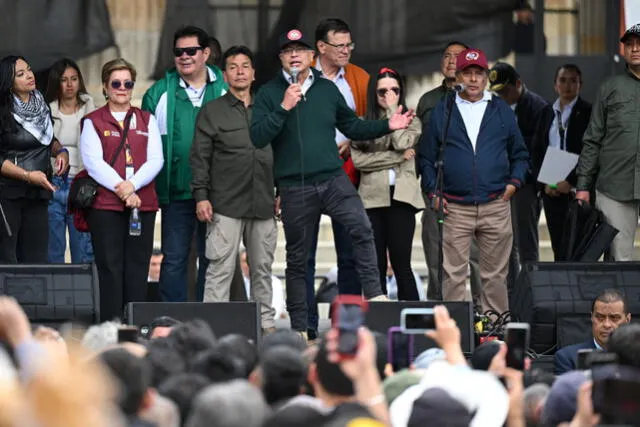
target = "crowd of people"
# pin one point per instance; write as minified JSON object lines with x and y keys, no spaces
{"x":181,"y":374}
{"x":223,"y":163}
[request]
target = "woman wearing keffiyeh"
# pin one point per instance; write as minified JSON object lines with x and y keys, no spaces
{"x":26,"y":144}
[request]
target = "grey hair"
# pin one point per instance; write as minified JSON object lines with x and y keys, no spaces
{"x":163,"y":412}
{"x":534,"y":397}
{"x":232,"y":404}
{"x":102,"y":336}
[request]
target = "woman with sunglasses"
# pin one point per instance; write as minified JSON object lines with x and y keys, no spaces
{"x":121,"y":149}
{"x":69,"y":103}
{"x":27,"y":145}
{"x":389,"y":186}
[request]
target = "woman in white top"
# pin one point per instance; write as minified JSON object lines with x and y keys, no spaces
{"x":69,"y":102}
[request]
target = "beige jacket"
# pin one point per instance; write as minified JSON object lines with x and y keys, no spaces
{"x":374,"y":159}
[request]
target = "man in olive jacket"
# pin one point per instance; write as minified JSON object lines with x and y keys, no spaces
{"x":610,"y":156}
{"x":233,"y":187}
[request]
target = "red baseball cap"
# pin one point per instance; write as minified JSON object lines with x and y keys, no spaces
{"x":469,"y":57}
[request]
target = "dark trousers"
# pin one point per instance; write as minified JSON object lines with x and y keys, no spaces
{"x":179,"y":222}
{"x":525,"y":215}
{"x":348,"y":281}
{"x":393,"y":229}
{"x":301,"y":209}
{"x":122,"y":260}
{"x":555,"y":211}
{"x":28,"y":220}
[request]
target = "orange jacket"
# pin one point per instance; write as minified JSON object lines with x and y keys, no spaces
{"x":358,"y":80}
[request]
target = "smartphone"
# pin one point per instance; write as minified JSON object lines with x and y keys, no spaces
{"x":417,"y":320}
{"x":128,"y":334}
{"x":581,"y":359}
{"x":516,"y":336}
{"x":348,"y":314}
{"x":601,"y":358}
{"x":399,"y":349}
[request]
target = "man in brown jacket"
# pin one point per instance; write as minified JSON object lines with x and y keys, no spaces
{"x":234,"y":188}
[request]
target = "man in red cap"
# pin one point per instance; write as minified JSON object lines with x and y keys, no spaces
{"x":485,"y":161}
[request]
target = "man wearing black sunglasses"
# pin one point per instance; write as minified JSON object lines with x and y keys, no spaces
{"x":175,"y":101}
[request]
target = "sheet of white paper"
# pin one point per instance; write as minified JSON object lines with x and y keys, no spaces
{"x":556,"y":166}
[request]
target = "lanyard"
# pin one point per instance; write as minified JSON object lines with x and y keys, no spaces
{"x":561,"y":130}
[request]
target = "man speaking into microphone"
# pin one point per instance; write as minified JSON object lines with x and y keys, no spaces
{"x":297,"y":113}
{"x":485,"y":162}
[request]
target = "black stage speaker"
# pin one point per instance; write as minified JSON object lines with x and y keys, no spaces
{"x":53,"y":294}
{"x":223,"y":317}
{"x":383,"y":315}
{"x":555,"y":298}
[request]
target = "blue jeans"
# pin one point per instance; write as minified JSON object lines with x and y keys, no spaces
{"x":59,"y":222}
{"x":348,"y":282}
{"x":179,"y":222}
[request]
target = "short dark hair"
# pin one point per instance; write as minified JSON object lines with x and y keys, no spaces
{"x":330,"y":24}
{"x":237,"y":50}
{"x":611,"y":295}
{"x":572,"y":67}
{"x":242,"y":349}
{"x":330,"y":375}
{"x":164,"y":360}
{"x":454,"y":43}
{"x":283,"y":374}
{"x":133,"y":376}
{"x":192,"y":31}
{"x":190,"y":338}
{"x":163,"y":322}
{"x":217,"y":366}
{"x":625,"y":342}
{"x":182,"y":390}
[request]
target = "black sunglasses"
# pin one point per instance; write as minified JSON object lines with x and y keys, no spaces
{"x":117,"y":84}
{"x":178,"y":51}
{"x":383,"y":92}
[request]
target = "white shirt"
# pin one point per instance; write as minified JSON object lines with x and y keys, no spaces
{"x":100,"y":170}
{"x":472,"y":113}
{"x":554,"y":131}
{"x":196,"y":96}
{"x":343,"y":86}
{"x":305,"y":85}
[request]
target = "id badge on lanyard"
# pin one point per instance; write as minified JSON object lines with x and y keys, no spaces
{"x":129,"y":168}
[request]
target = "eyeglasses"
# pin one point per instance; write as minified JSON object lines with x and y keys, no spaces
{"x":192,"y":50}
{"x":349,"y":46}
{"x":292,"y":50}
{"x":382,"y":92}
{"x":117,"y":84}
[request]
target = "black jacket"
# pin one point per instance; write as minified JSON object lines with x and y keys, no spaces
{"x":530,"y":110}
{"x":23,"y":149}
{"x":578,"y":122}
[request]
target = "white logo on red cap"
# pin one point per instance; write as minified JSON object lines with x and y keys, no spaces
{"x":472,"y":56}
{"x":294,"y":35}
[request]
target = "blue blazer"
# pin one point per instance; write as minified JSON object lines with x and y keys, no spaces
{"x":565,"y":359}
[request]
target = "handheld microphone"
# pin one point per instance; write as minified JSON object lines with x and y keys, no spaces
{"x":294,"y":74}
{"x":458,"y":88}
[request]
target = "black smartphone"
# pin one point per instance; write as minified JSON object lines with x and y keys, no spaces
{"x":399,"y":349}
{"x":348,"y":316}
{"x":516,"y":337}
{"x":417,"y":320}
{"x":128,"y":334}
{"x":582,"y":359}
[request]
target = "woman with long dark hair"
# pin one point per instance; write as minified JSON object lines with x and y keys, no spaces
{"x":122,"y":150}
{"x":389,"y":186}
{"x":69,"y":102}
{"x":27,"y":143}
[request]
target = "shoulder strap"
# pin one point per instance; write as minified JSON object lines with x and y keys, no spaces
{"x":127,"y":122}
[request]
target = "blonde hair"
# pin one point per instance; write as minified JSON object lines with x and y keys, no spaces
{"x":115,"y":65}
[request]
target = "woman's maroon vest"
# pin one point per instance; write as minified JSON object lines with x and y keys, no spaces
{"x":110,"y":134}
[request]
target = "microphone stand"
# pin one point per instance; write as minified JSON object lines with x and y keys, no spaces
{"x":451,"y":97}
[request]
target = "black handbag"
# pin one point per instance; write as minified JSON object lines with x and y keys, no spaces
{"x":83,"y":188}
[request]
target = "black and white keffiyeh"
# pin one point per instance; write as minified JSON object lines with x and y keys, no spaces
{"x":34,"y":116}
